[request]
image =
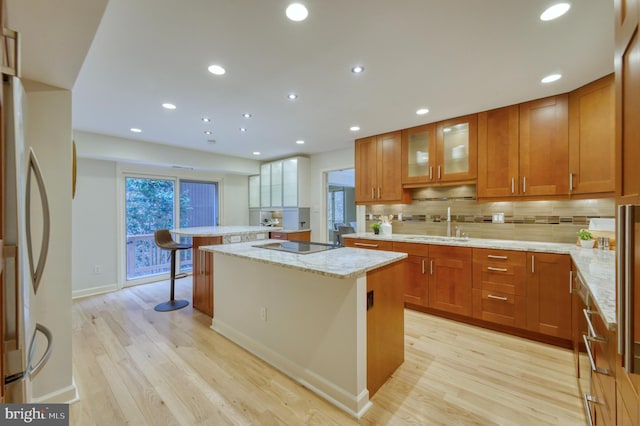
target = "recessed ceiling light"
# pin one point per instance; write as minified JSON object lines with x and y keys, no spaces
{"x":216,"y":70}
{"x":297,"y":12}
{"x":551,"y":78}
{"x":243,"y":129}
{"x":300,"y":142}
{"x":168,"y":106}
{"x":246,"y":115}
{"x":206,"y":119}
{"x":208,"y":132}
{"x":555,"y":11}
{"x":292,"y":96}
{"x":256,"y":152}
{"x":135,"y":130}
{"x":422,"y":111}
{"x":357,"y":69}
{"x":354,"y":128}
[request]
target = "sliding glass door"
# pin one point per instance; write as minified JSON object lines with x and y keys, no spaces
{"x":157,"y":203}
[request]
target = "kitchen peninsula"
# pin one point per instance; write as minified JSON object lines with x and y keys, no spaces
{"x":332,"y":320}
{"x":203,"y":262}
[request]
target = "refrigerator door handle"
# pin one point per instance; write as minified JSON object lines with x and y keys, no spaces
{"x":620,"y":271}
{"x":36,"y":273}
{"x":33,"y":370}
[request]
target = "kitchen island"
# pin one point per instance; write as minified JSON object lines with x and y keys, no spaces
{"x":203,"y":262}
{"x":332,"y":320}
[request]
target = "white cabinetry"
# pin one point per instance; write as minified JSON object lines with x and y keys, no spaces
{"x":284,"y":183}
{"x":254,"y":191}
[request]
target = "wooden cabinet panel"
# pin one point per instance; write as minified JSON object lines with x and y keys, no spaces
{"x":416,"y":284}
{"x":378,"y":169}
{"x":498,"y":152}
{"x":385,"y":324}
{"x":291,"y":236}
{"x":548,"y":297}
{"x":500,"y":308}
{"x":544,"y":147}
{"x":500,"y":271}
{"x":592,"y":138}
{"x":450,"y":280}
{"x":203,"y":274}
{"x":603,"y":382}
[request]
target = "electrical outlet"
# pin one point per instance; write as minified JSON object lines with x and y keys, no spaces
{"x":263,"y":313}
{"x":97,"y":269}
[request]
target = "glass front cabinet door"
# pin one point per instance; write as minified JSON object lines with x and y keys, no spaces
{"x":457,"y":149}
{"x":265,"y":185}
{"x":418,"y":154}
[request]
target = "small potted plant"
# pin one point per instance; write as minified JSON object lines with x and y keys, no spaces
{"x":586,"y":239}
{"x":376,"y":228}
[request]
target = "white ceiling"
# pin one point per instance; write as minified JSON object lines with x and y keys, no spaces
{"x":451,"y":56}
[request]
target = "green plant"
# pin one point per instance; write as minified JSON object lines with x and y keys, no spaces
{"x":375,"y":227}
{"x":585,"y":235}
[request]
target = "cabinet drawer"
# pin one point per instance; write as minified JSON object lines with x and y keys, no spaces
{"x":368,"y":244}
{"x":499,"y":308}
{"x":500,"y":257}
{"x":604,"y":389}
{"x":503,"y":278}
{"x":412,"y":248}
{"x":278,"y":235}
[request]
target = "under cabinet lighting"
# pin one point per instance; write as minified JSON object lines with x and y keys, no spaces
{"x":555,"y":11}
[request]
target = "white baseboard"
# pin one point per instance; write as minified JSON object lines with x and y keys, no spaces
{"x":76,"y":294}
{"x":355,"y":405}
{"x":65,"y":395}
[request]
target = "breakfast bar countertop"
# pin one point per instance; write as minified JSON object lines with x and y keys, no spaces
{"x":221,"y":231}
{"x":341,"y":262}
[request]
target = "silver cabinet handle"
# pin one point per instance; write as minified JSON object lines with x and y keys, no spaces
{"x":524,"y":184}
{"x":587,"y":399}
{"x":431,"y":266}
{"x":438,"y":172}
{"x":591,"y":360}
{"x":491,"y":268}
{"x":620,"y":258}
{"x":430,"y":172}
{"x":365,"y":245}
{"x":570,"y":181}
{"x":491,"y":296}
{"x":493,"y":256}
{"x":513,"y":185}
{"x":592,"y":331}
{"x":533,"y":263}
{"x":422,"y":266}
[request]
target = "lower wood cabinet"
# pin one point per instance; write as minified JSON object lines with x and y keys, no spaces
{"x":548,"y":296}
{"x":499,"y":291}
{"x":203,"y":274}
{"x":602,"y":350}
{"x":417,"y":272}
{"x":450,"y":279}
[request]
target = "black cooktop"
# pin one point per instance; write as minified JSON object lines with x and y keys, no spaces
{"x":298,"y":247}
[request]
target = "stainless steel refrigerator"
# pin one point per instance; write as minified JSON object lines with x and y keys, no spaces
{"x":628,"y":286}
{"x":26,"y":232}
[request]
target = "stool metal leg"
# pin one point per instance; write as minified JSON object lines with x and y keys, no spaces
{"x":172,"y":304}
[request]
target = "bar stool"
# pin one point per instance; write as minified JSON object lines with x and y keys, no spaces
{"x":165,"y":241}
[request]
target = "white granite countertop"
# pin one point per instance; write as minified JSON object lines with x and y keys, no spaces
{"x":288,"y":231}
{"x":596,"y":267}
{"x":345,"y":262}
{"x":221,"y":231}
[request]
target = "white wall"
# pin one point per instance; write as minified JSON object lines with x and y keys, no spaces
{"x":98,"y":215}
{"x":319,"y":164}
{"x":48,"y":131}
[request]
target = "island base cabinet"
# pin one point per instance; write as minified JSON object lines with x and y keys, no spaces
{"x":203,"y":274}
{"x":385,"y":324}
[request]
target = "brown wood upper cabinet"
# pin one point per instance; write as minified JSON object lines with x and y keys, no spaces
{"x":440,"y":153}
{"x":378,"y":175}
{"x":592,"y":138}
{"x":523,"y":150}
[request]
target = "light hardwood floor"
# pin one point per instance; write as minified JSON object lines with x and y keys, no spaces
{"x":135,"y":366}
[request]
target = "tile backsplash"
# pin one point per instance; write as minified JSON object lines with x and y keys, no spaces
{"x":552,"y":221}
